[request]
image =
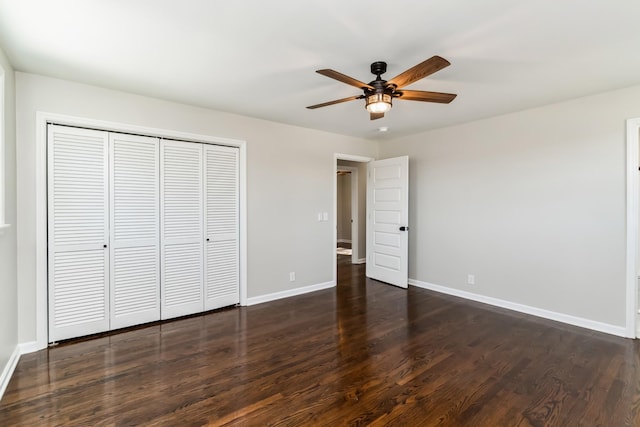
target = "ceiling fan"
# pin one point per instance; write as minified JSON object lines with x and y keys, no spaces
{"x":378,"y":94}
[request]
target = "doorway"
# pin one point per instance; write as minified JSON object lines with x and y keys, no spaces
{"x":382,"y":213}
{"x":347,"y":218}
{"x":350,"y":193}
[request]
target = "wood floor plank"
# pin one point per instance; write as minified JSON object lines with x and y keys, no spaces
{"x":364,"y":353}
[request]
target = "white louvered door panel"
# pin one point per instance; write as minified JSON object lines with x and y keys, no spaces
{"x":78,"y":232}
{"x":221,"y":189}
{"x":135,"y":229}
{"x":181,"y":228}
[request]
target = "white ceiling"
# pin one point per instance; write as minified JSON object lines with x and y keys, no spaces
{"x":257,"y":57}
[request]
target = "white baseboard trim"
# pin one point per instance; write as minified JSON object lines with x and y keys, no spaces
{"x":344,"y":241}
{"x":7,"y":372}
{"x":29,"y":347}
{"x":534,"y":311}
{"x":361,"y":261}
{"x":289,"y":293}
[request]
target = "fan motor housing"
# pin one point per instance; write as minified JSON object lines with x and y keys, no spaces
{"x":379,"y":86}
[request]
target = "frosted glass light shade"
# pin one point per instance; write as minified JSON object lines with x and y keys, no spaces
{"x":378,"y":103}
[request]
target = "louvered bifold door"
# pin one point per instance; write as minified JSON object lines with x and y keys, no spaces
{"x":181,"y":228}
{"x":135,"y":229}
{"x":221,"y":227}
{"x":78,"y":232}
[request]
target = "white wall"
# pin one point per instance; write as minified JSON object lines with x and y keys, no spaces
{"x":290,"y":179}
{"x":532,"y":203}
{"x":8,"y":284}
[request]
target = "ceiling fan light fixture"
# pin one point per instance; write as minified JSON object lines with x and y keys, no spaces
{"x":379,"y":93}
{"x":378,"y":103}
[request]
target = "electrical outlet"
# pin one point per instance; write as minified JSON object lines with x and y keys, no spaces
{"x":471,"y":279}
{"x":292,"y":276}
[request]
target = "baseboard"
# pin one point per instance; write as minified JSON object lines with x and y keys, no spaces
{"x":344,"y":241}
{"x":289,"y":293}
{"x":29,"y":347}
{"x":7,"y":372}
{"x":534,"y":311}
{"x":361,"y":261}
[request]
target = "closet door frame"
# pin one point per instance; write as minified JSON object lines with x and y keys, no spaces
{"x":43,"y":118}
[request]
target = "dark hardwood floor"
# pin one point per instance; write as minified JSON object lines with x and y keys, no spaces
{"x":364,"y":353}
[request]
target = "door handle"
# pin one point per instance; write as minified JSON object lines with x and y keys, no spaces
{"x":404,"y":228}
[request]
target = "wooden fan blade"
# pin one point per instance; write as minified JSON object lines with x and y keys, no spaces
{"x":421,"y":95}
{"x":423,"y":69}
{"x":375,"y":116}
{"x":344,"y":79}
{"x":337,"y":101}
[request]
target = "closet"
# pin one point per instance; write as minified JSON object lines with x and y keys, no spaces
{"x":140,"y":229}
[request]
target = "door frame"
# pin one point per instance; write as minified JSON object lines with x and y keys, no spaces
{"x":633,"y":219}
{"x":334,"y":243}
{"x":44,"y":118}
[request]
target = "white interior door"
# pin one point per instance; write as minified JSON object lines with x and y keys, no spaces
{"x":78,"y":227}
{"x":135,"y":229}
{"x":388,"y":220}
{"x":181,"y":228}
{"x":221,"y":218}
